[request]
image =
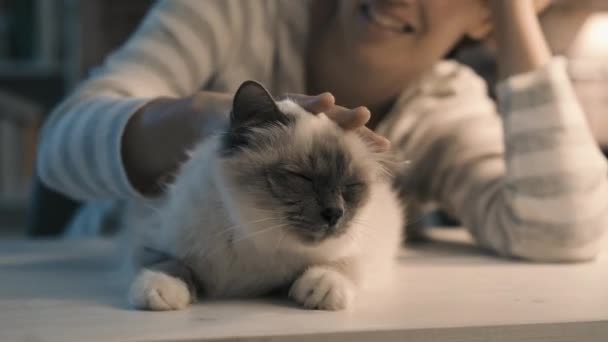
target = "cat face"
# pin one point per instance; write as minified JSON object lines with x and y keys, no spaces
{"x":318,"y":189}
{"x":292,"y":170}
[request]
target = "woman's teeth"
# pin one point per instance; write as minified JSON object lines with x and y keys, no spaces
{"x":386,"y":21}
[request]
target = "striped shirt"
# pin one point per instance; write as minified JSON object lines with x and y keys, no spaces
{"x":529,"y":182}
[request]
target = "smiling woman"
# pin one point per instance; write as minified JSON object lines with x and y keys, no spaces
{"x":524,"y":177}
{"x":386,"y":16}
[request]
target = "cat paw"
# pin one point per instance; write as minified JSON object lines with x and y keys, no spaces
{"x":158,"y":291}
{"x":323,"y":289}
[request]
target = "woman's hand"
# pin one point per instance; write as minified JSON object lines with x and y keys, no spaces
{"x":520,"y":41}
{"x":349,"y":119}
{"x":159,"y":134}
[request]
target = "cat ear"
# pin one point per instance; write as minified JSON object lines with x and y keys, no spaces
{"x":254,"y":106}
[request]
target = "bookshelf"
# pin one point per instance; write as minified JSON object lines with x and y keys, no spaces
{"x":79,"y":36}
{"x":30,"y":83}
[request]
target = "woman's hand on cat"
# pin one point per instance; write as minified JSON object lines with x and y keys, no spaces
{"x":159,"y":134}
{"x":349,"y":119}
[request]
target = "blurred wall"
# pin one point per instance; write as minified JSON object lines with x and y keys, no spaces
{"x":46,"y":48}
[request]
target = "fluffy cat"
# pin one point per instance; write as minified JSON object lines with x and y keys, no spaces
{"x":283,"y":198}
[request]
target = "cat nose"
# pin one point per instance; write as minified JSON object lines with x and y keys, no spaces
{"x":332,"y":215}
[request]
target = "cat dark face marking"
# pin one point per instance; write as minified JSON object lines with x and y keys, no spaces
{"x":319,"y":191}
{"x":300,"y":169}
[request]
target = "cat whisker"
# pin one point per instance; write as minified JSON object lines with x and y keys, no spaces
{"x":361,"y":233}
{"x":361,"y":222}
{"x":248,"y":236}
{"x":263,"y":209}
{"x":231,"y":228}
{"x":276,"y":249}
{"x":407,"y":224}
{"x":355,"y":241}
{"x":364,"y":224}
{"x":245,"y":237}
{"x":366,"y":233}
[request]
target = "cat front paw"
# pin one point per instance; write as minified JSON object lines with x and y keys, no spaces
{"x":323,"y":288}
{"x":158,"y":291}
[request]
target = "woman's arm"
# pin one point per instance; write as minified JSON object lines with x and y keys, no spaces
{"x":126,"y":130}
{"x":532,"y":184}
{"x":178,"y":47}
{"x":557,"y":177}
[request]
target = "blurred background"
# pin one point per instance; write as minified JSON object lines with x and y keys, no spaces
{"x":48,"y":46}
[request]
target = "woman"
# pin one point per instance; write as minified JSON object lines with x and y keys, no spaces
{"x":528,"y":182}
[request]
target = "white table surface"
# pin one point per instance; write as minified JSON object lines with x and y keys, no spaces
{"x":446,"y":291}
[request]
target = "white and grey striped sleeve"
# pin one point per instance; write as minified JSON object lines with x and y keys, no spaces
{"x":176,"y":49}
{"x":532,"y":185}
{"x":557,"y":183}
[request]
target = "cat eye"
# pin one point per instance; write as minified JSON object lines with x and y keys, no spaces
{"x":299,"y":175}
{"x":351,"y":191}
{"x":354,"y":185}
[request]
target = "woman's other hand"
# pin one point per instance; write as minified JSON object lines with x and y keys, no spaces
{"x":520,"y":41}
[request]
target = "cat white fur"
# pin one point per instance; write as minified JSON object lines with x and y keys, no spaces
{"x":203,"y":208}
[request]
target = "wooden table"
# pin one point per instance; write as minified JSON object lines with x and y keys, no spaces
{"x":446,"y":291}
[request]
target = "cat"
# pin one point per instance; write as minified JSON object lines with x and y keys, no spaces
{"x":282,"y":199}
